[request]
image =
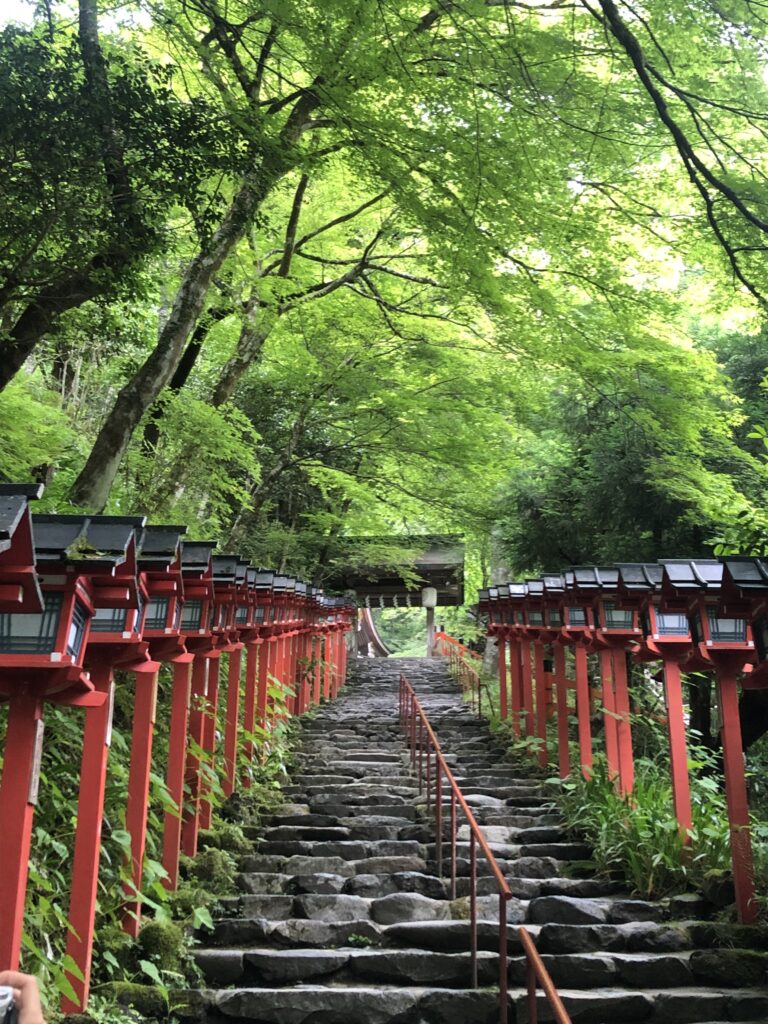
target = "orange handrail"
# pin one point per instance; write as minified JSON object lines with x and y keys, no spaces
{"x":413,"y":720}
{"x":464,"y":664}
{"x":536,"y":972}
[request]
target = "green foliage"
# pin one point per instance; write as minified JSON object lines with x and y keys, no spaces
{"x":24,"y":451}
{"x":636,"y":838}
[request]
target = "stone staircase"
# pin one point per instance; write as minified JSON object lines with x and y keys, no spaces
{"x":342,"y":919}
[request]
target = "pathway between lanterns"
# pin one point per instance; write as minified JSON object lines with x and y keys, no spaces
{"x":342,"y":919}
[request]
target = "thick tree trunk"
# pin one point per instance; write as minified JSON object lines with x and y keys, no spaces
{"x":249,"y":346}
{"x":92,"y":487}
{"x":183,"y":370}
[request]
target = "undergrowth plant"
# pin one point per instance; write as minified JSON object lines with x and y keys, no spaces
{"x":636,"y":838}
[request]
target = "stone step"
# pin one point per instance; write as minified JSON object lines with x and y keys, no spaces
{"x":340,"y":1005}
{"x":658,"y":1005}
{"x":347,"y":849}
{"x":398,"y":809}
{"x":265,"y":968}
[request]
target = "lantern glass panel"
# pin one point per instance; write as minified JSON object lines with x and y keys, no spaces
{"x":157,"y":613}
{"x":109,"y":620}
{"x":191,"y":614}
{"x":577,"y":616}
{"x":535,"y":618}
{"x":241,"y":615}
{"x":77,"y":630}
{"x":726,"y":630}
{"x":260,"y":614}
{"x":554,"y":617}
{"x":671,"y":624}
{"x":33,"y":632}
{"x":222,"y":616}
{"x":616,"y":618}
{"x":519,"y":618}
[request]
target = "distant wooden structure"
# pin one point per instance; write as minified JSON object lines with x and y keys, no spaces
{"x":428,"y":561}
{"x":430,"y":575}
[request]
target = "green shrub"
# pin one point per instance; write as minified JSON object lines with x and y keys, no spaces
{"x":637,"y":839}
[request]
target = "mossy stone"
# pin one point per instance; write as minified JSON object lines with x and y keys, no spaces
{"x":215,"y":868}
{"x":162,"y":942}
{"x":731,"y":968}
{"x":149,"y":1001}
{"x":226,"y":836}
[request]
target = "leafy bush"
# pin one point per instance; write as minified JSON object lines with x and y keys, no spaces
{"x":636,"y":838}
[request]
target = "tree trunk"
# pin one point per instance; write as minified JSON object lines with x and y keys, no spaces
{"x":92,"y":487}
{"x":249,"y":346}
{"x":183,"y":370}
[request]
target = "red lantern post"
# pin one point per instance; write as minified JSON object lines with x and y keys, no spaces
{"x":114,"y":642}
{"x":197,"y":623}
{"x":720,"y":625}
{"x":576,"y":632}
{"x":42,"y":646}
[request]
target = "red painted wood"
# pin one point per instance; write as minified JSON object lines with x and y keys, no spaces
{"x":527,"y":677}
{"x":516,"y":677}
{"x":541,"y":703}
{"x":678,"y":749}
{"x":503,"y":700}
{"x":181,"y":689}
{"x":209,"y":739}
{"x":623,"y":724}
{"x":191,"y":816}
{"x":609,"y":714}
{"x":87,"y":846}
{"x":262,"y":697}
{"x":138,"y":793}
{"x":317,"y":654}
{"x":583,"y":711}
{"x":327,"y":659}
{"x":232,"y":724}
{"x":249,"y":710}
{"x":736,"y":796}
{"x":561,"y":697}
{"x":17,"y":814}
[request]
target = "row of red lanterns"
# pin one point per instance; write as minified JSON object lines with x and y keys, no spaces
{"x":84,"y":596}
{"x":706,"y":615}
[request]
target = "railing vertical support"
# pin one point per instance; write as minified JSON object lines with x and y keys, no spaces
{"x":503,"y":968}
{"x":609,"y":714}
{"x":191,"y":815}
{"x":561,"y":696}
{"x":623,"y":722}
{"x":18,"y":797}
{"x":177,"y":755}
{"x":525,"y":661}
{"x":232,"y":724}
{"x":252,"y":657}
{"x":473,"y":905}
{"x":209,"y":738}
{"x":503,"y":698}
{"x":439,"y":816}
{"x":138,"y":793}
{"x":87,"y":848}
{"x":678,"y":749}
{"x":736,"y":795}
{"x":541,"y":704}
{"x":583,"y":710}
